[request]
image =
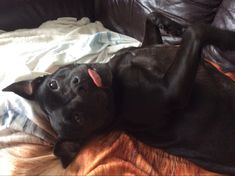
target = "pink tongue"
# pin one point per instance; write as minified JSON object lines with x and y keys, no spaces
{"x":95,"y":77}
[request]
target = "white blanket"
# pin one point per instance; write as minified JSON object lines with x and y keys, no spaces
{"x":28,"y":53}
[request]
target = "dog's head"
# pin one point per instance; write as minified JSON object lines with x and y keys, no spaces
{"x":76,"y":98}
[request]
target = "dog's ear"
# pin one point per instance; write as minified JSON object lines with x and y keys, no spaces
{"x":66,"y":151}
{"x":27,"y":88}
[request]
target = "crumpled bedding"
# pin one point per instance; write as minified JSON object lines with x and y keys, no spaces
{"x":120,"y":154}
{"x":112,"y":154}
{"x":26,"y":138}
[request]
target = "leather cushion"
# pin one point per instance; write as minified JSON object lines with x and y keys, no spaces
{"x":15,"y":14}
{"x":224,"y":19}
{"x":128,"y":16}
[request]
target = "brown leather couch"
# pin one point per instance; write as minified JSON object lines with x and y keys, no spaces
{"x":125,"y":16}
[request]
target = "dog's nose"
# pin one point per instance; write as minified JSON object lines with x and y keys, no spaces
{"x":76,"y":80}
{"x":77,"y":84}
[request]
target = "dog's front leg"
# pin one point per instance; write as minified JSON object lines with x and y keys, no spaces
{"x":179,"y":78}
{"x":152,"y":33}
{"x":66,"y":151}
{"x":156,"y":22}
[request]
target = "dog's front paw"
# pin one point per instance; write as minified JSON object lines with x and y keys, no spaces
{"x":166,"y":25}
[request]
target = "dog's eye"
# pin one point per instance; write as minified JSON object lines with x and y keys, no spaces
{"x":53,"y":85}
{"x":79,"y":119}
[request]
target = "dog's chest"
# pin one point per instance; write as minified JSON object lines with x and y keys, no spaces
{"x":137,"y":108}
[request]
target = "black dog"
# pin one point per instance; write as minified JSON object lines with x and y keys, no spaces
{"x":165,"y":96}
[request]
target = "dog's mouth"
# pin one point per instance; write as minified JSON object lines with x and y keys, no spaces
{"x":96,"y":78}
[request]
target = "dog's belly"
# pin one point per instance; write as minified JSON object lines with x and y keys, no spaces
{"x":204,"y":133}
{"x":203,"y":130}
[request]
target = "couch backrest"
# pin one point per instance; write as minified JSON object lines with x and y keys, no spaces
{"x":15,"y":14}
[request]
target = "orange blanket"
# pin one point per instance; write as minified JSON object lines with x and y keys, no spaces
{"x":114,"y":154}
{"x":231,"y":75}
{"x":120,"y":154}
